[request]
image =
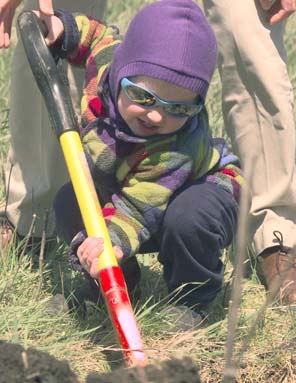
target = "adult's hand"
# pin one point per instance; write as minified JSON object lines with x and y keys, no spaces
{"x":7,"y":12}
{"x":278,"y":10}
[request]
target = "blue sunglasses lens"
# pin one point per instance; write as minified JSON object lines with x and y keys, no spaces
{"x":182,"y":110}
{"x":139,"y":95}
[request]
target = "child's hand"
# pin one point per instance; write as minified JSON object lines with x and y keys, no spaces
{"x":89,"y":251}
{"x":46,"y":7}
{"x":54,"y":26}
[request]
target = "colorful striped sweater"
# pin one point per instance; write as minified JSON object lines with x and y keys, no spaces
{"x":135,"y":177}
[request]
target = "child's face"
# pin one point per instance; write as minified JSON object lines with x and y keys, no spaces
{"x":145,"y":122}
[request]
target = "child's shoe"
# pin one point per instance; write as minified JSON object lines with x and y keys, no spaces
{"x":183,"y":318}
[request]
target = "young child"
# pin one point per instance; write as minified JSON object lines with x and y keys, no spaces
{"x":164,"y":183}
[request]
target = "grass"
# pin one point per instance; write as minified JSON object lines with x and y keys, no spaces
{"x":88,"y":342}
{"x":5,"y":59}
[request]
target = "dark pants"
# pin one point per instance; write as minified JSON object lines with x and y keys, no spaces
{"x":199,"y":222}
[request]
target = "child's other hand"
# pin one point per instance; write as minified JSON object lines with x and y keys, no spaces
{"x":89,"y":251}
{"x":46,"y":7}
{"x":54,"y":26}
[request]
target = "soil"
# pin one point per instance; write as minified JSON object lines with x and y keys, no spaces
{"x":171,"y":371}
{"x":33,"y":366}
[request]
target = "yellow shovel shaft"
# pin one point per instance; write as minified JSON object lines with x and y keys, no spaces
{"x":86,"y":195}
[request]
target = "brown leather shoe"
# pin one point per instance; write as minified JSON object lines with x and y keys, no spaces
{"x":278,"y":270}
{"x":6,"y":233}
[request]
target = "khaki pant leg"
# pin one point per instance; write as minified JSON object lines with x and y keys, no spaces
{"x":35,"y":158}
{"x":257,"y":103}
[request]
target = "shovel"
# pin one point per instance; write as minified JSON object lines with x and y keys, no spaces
{"x":64,"y":122}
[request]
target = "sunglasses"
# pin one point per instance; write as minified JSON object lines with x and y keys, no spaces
{"x":144,"y":97}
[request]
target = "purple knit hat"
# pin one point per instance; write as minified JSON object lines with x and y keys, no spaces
{"x":170,"y":40}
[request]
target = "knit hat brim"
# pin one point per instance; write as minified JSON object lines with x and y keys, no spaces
{"x":140,"y":68}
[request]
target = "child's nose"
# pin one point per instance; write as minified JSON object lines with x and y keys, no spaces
{"x":156,"y":115}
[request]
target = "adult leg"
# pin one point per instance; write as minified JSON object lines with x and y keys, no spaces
{"x":258,"y":114}
{"x":199,"y":222}
{"x":35,"y":159}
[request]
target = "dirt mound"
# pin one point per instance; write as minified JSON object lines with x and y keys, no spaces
{"x":18,"y":365}
{"x":32,"y":366}
{"x":170,"y":371}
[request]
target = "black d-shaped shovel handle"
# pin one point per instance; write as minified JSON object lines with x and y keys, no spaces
{"x":46,"y":73}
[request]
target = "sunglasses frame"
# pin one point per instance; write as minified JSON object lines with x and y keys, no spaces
{"x":125,"y":82}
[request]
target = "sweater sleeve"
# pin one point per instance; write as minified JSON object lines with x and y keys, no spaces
{"x":88,"y":43}
{"x":84,"y":37}
{"x":227,"y":173}
{"x":95,"y":51}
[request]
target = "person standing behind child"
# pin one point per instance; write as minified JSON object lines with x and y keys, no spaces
{"x":35,"y":167}
{"x":257,"y":103}
{"x":164,"y":183}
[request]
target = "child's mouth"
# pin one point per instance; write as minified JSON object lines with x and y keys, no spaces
{"x":146,"y":126}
